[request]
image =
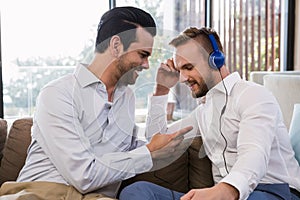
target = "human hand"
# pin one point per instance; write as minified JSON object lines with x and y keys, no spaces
{"x":221,"y":191}
{"x":166,"y":148}
{"x":167,"y":76}
{"x":159,"y":140}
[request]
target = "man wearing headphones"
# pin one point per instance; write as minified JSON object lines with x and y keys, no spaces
{"x":240,"y":124}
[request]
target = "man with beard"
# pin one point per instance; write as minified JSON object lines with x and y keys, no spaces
{"x":84,"y":139}
{"x":240,"y":124}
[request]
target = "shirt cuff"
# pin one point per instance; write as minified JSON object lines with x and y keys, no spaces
{"x":142,"y":159}
{"x":237,"y":180}
{"x":158,"y":103}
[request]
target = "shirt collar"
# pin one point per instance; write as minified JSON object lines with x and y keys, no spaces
{"x":229,"y":82}
{"x":84,"y":76}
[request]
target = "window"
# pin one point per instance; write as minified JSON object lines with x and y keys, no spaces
{"x":251,"y":33}
{"x":41,"y":41}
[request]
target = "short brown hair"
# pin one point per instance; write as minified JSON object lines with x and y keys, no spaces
{"x":200,"y":36}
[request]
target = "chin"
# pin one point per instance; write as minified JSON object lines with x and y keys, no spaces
{"x":198,"y":94}
{"x":132,"y":82}
{"x":195,"y":95}
{"x":132,"y":79}
{"x":128,"y":80}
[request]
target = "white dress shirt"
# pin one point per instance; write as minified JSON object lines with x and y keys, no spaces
{"x":81,"y":139}
{"x":258,"y":148}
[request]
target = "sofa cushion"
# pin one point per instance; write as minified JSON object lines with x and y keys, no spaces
{"x":3,"y":135}
{"x":199,"y":168}
{"x":15,"y":149}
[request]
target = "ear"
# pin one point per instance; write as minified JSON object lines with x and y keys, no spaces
{"x":115,"y":46}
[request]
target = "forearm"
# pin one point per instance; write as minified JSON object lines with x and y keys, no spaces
{"x":160,"y":90}
{"x":246,"y":174}
{"x":156,"y":121}
{"x":227,"y":191}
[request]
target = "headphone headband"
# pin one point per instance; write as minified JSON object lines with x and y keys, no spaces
{"x":213,"y":42}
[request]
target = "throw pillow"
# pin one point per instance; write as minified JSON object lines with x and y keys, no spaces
{"x":15,"y":149}
{"x":3,"y":135}
{"x":295,"y":131}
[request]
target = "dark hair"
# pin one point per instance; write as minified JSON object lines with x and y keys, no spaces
{"x":122,"y":21}
{"x":200,"y":36}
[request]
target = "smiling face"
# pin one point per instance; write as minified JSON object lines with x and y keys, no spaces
{"x":135,"y":58}
{"x":191,"y":61}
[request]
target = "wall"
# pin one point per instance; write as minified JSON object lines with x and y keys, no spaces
{"x":297,"y":37}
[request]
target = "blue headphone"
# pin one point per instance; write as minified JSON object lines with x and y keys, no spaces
{"x":216,"y":58}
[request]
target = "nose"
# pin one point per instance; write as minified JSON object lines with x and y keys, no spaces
{"x":145,"y":63}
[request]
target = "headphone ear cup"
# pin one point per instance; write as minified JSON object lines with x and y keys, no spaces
{"x":216,"y":59}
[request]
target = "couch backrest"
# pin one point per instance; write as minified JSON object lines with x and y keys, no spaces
{"x":258,"y":76}
{"x":286,"y":89}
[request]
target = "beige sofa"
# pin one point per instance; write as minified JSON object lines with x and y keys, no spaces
{"x":258,"y":76}
{"x":183,"y":174}
{"x":285,"y":86}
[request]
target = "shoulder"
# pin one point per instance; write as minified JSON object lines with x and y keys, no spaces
{"x":250,"y":96}
{"x":58,"y":89}
{"x":249,"y":90}
{"x":62,"y":83}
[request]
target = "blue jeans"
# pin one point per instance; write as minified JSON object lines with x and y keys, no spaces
{"x":143,"y":190}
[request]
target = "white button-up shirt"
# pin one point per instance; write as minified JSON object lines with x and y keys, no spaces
{"x":81,"y":139}
{"x":258,"y":148}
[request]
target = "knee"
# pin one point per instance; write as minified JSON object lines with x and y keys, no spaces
{"x":136,"y":191}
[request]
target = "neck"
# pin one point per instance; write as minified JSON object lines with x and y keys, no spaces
{"x":103,"y":66}
{"x":223,"y":72}
{"x":218,"y":76}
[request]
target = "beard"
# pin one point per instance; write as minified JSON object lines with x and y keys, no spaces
{"x":198,"y":88}
{"x":201,"y":92}
{"x":129,"y":78}
{"x":128,"y":70}
{"x":201,"y":85}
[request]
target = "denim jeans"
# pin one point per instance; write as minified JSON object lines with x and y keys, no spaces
{"x":149,"y":191}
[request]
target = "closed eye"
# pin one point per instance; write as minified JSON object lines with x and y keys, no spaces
{"x":144,"y":54}
{"x":187,"y":66}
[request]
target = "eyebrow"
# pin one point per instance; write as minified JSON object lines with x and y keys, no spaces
{"x":147,"y":53}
